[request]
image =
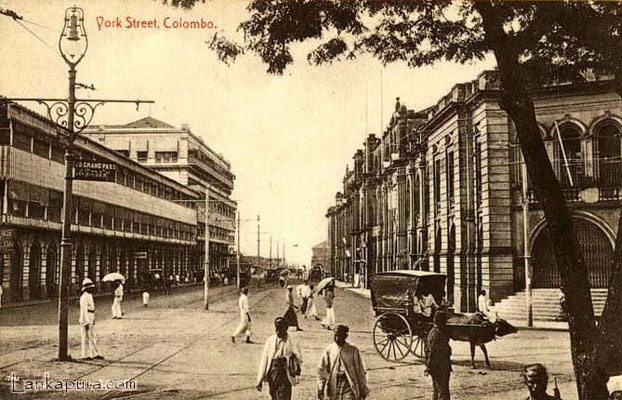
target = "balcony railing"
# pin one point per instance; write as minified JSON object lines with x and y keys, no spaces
{"x":605,"y":177}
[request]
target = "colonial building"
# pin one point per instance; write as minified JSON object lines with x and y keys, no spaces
{"x":319,"y":257}
{"x":441,"y":190}
{"x":134,"y":225}
{"x":184,"y":157}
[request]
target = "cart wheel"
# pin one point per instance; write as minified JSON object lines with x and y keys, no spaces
{"x":418,"y":347}
{"x":392,"y":336}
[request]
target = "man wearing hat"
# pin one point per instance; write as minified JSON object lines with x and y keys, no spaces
{"x":87,"y":321}
{"x":438,"y":360}
{"x":537,"y":379}
{"x":280,"y":363}
{"x":341,"y":373}
{"x":245,"y":318}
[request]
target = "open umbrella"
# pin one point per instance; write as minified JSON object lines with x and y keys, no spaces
{"x":323,"y":283}
{"x":113,"y":276}
{"x":284,"y":272}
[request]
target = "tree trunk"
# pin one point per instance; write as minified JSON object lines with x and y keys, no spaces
{"x":609,"y":356}
{"x":591,"y":382}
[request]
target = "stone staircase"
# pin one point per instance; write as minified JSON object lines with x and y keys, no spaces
{"x":545,"y":304}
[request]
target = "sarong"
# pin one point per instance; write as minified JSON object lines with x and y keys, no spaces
{"x":303,"y":307}
{"x":280,"y":387}
{"x":344,"y":391}
{"x":290,"y":317}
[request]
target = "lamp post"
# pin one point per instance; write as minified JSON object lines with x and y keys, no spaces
{"x":71,"y":116}
{"x":72,"y":44}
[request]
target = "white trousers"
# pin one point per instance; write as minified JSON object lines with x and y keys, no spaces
{"x":89,"y":342}
{"x":329,"y":320}
{"x":145,"y":298}
{"x":311,"y":310}
{"x":116,"y":308}
{"x":245,"y":326}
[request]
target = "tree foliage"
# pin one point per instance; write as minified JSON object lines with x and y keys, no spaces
{"x":534,"y":43}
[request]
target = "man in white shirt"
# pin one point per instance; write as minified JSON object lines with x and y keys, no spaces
{"x":87,"y":321}
{"x":116,"y":303}
{"x":482,"y":306}
{"x":245,"y":318}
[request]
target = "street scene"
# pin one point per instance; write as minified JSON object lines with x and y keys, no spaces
{"x":308,"y":199}
{"x":173,"y":350}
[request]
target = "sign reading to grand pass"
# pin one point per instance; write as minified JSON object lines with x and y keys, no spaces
{"x":95,"y":171}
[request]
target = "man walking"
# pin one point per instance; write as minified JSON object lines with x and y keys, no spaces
{"x":245,"y":317}
{"x":438,"y":361}
{"x":311,"y":309}
{"x":116,"y":303}
{"x":280,"y":353}
{"x":341,"y":373}
{"x":290,"y":314}
{"x":87,"y":321}
{"x":329,"y":295}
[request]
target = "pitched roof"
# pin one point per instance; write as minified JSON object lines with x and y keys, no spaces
{"x":149,"y":122}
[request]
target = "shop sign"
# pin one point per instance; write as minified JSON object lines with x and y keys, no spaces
{"x":7,"y":240}
{"x":95,"y":171}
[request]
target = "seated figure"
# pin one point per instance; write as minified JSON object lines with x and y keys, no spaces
{"x":427,"y":304}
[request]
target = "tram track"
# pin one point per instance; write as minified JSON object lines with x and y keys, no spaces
{"x":51,"y":352}
{"x":209,"y":335}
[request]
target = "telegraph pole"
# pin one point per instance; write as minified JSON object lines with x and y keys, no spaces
{"x":528,"y":294}
{"x":237,"y":257}
{"x":206,"y":274}
{"x":258,"y":253}
{"x":270,"y":252}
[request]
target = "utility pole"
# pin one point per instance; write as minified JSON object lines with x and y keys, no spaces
{"x":270,"y":252}
{"x":237,"y":256}
{"x":72,"y":116}
{"x":278,"y":260}
{"x":528,"y":294}
{"x":284,"y":261}
{"x":258,"y":253}
{"x":206,"y":274}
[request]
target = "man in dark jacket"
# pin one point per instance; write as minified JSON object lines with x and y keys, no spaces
{"x":438,"y":361}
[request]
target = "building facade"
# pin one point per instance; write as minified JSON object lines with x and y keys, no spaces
{"x":134,"y":225}
{"x":184,"y":157}
{"x":319,"y":257}
{"x":441,"y":190}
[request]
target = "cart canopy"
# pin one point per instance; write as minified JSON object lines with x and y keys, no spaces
{"x":395,"y":290}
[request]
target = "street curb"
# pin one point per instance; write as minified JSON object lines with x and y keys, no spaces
{"x":75,"y":297}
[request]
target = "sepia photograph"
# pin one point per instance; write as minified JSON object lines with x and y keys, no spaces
{"x":311,"y":199}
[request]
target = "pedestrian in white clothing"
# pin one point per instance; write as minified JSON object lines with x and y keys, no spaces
{"x":311,"y":309}
{"x":87,"y":321}
{"x":0,"y":294}
{"x":116,"y":303}
{"x":245,"y":318}
{"x":145,"y":296}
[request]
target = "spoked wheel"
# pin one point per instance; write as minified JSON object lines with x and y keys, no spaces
{"x":418,"y":347}
{"x":392,"y":336}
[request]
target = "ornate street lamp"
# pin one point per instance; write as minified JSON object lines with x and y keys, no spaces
{"x":72,"y":45}
{"x":72,"y":116}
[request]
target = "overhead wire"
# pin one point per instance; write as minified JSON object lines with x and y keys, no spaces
{"x":36,"y":36}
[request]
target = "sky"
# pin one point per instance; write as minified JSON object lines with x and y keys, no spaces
{"x":288,"y":138}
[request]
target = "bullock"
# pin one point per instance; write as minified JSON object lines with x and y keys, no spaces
{"x":478,"y":331}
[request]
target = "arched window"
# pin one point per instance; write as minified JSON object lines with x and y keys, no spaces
{"x":416,"y":204}
{"x":609,"y":154}
{"x":407,"y":202}
{"x":571,"y":165}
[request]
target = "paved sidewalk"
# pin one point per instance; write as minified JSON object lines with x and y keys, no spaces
{"x":522,"y":324}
